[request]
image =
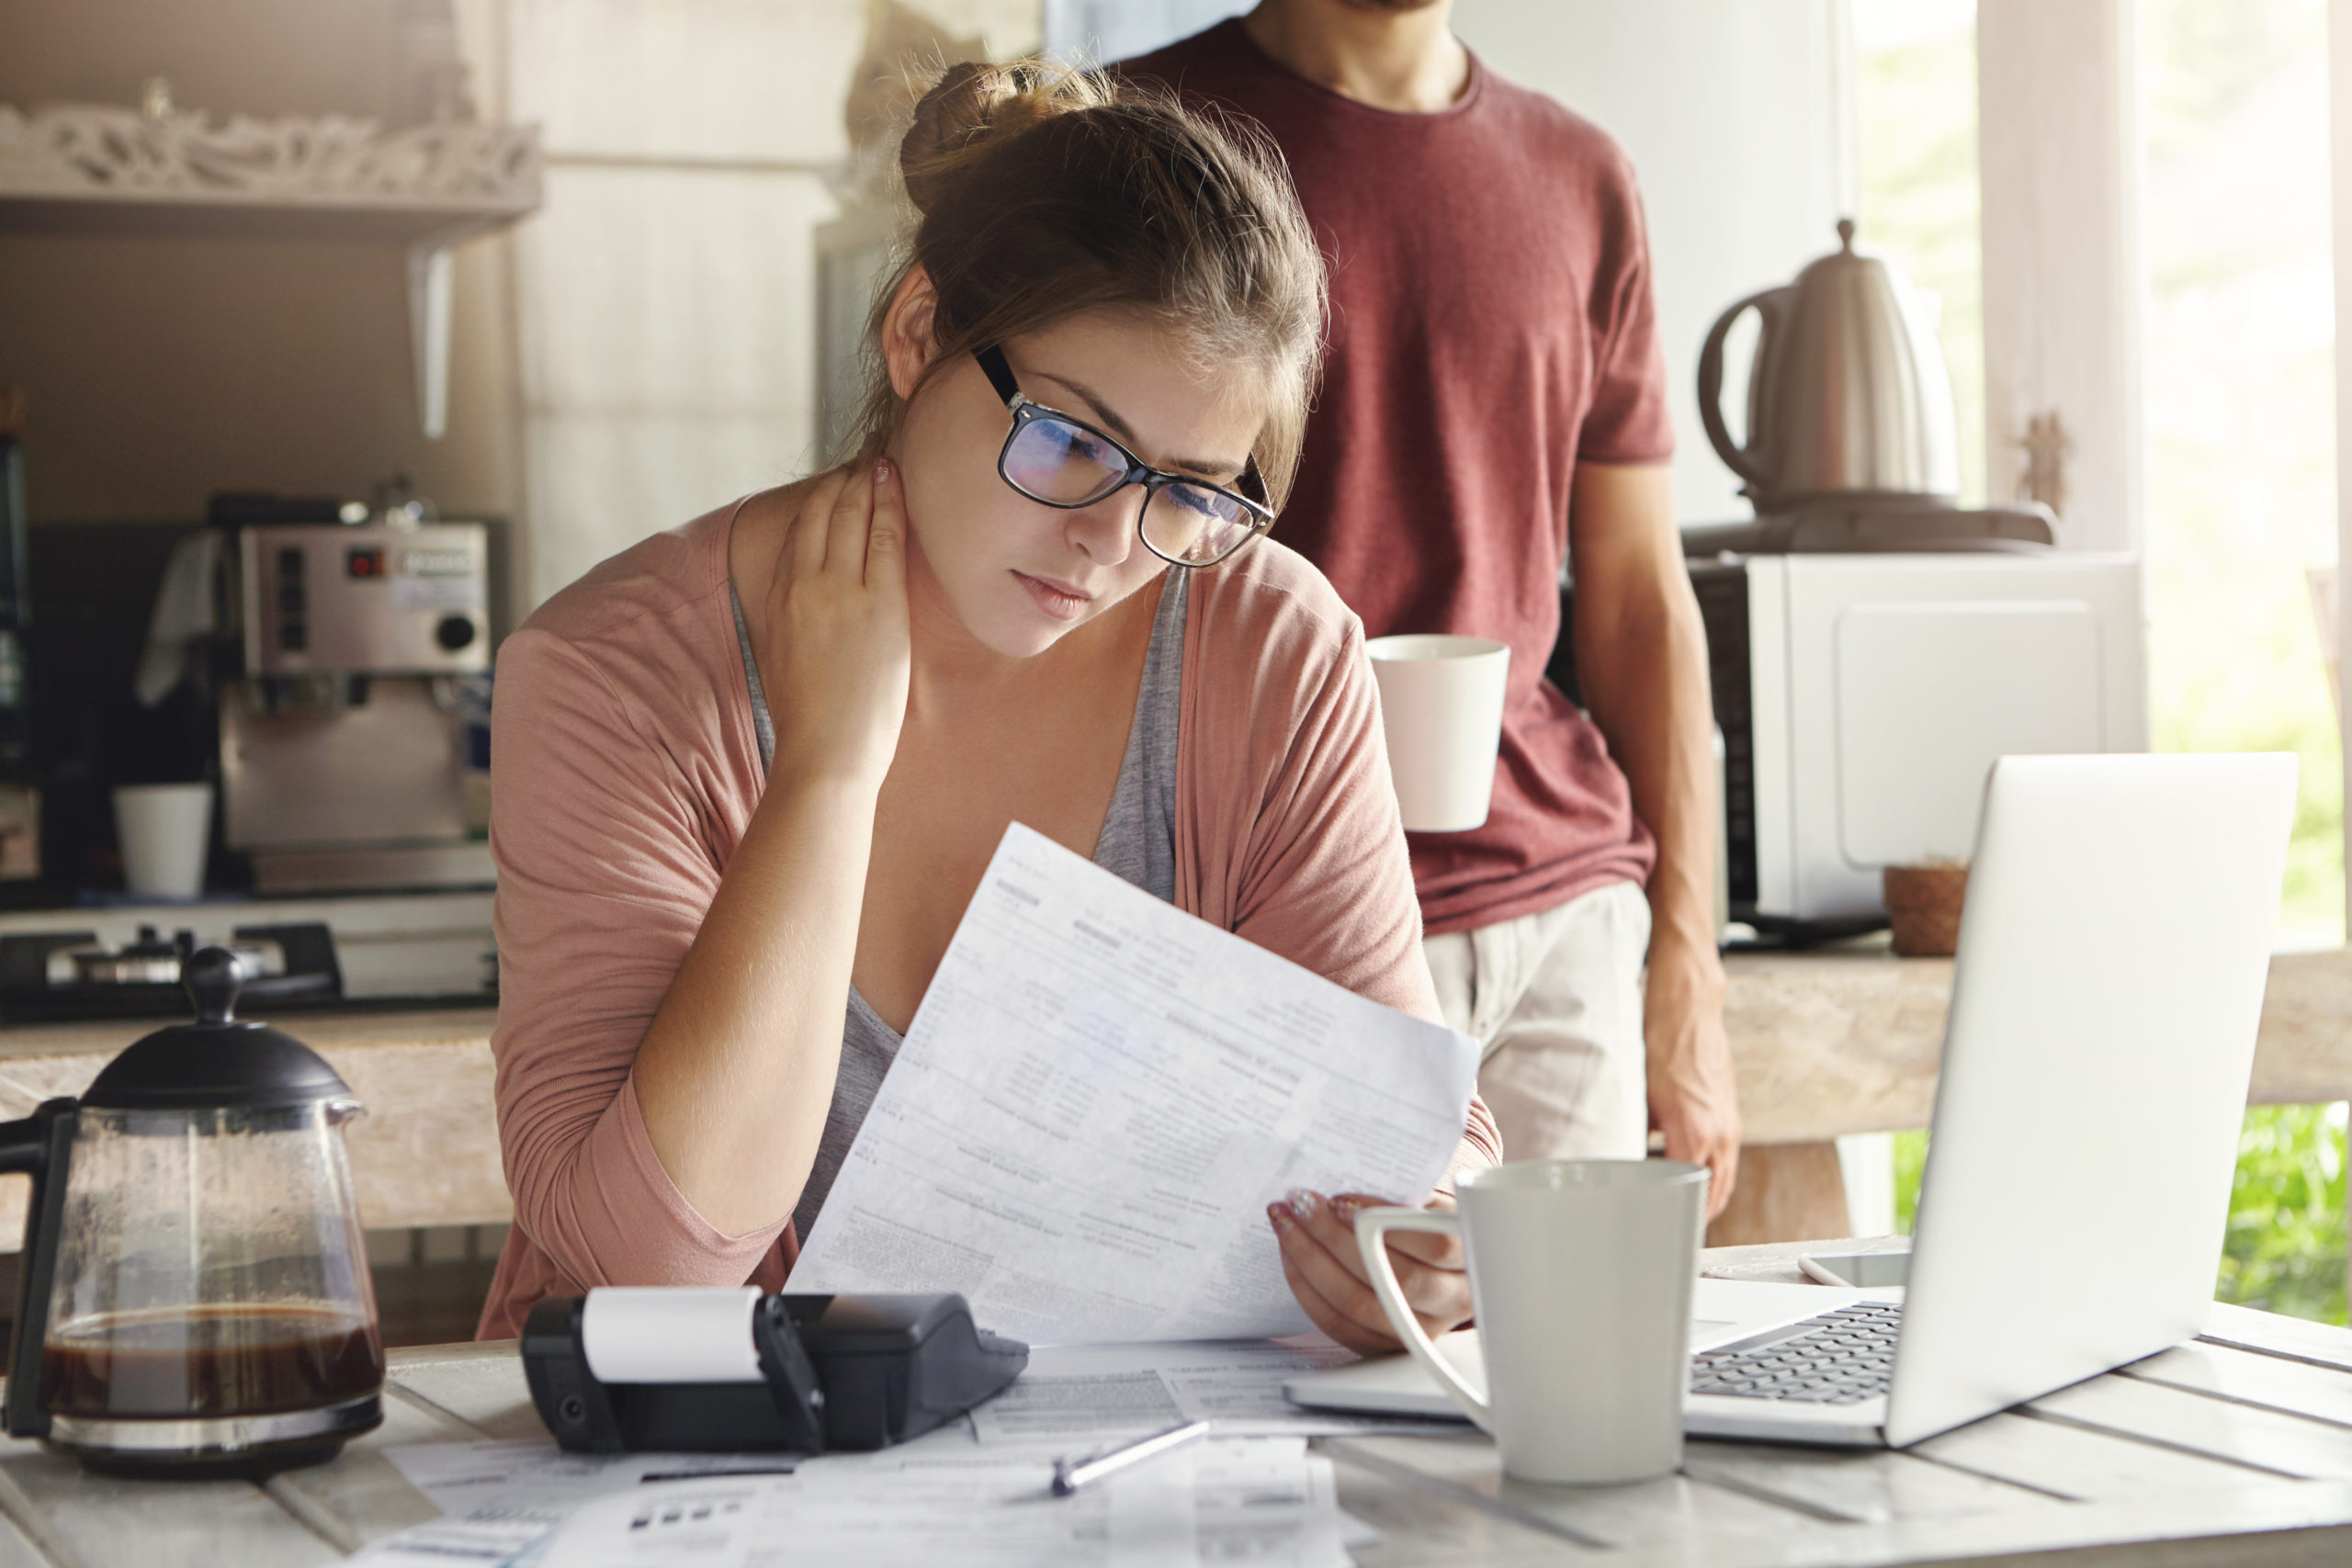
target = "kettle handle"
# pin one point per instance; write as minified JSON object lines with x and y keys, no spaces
{"x":41,"y":1146}
{"x":1740,"y":459}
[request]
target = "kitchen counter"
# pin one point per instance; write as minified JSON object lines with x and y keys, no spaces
{"x":425,"y":1154}
{"x":1847,"y":1040}
{"x":1827,"y":1043}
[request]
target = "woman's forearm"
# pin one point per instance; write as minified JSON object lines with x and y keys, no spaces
{"x":736,"y":1073}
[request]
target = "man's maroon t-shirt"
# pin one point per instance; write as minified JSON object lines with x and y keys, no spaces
{"x":1492,"y":326}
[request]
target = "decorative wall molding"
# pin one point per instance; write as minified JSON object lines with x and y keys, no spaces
{"x":101,"y":152}
{"x":157,"y":170}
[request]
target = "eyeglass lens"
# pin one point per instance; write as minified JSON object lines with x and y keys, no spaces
{"x":1054,"y":461}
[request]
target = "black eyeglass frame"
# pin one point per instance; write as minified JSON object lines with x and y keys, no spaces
{"x":1026,"y":411}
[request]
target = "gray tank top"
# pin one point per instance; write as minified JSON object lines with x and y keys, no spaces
{"x":1138,"y":844}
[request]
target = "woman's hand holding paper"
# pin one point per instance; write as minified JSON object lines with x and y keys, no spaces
{"x":1318,"y":1236}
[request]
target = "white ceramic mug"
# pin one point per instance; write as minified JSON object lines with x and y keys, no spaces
{"x":1582,"y":1273}
{"x":164,"y":830}
{"x":1442,"y":708}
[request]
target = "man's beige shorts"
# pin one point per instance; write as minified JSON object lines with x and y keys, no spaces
{"x":1554,"y":1002}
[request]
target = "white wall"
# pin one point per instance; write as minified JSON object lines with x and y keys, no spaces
{"x":665,"y":295}
{"x":1734,"y":112}
{"x":1115,"y":30}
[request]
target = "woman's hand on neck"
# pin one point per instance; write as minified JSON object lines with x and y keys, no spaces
{"x":1386,"y":54}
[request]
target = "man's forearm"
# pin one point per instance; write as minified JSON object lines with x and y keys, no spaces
{"x":1648,"y":693}
{"x":1642,"y":660}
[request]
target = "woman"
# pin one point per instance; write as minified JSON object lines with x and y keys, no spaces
{"x":750,"y":772}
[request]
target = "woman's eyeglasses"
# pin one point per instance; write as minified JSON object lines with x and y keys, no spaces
{"x":1061,"y":461}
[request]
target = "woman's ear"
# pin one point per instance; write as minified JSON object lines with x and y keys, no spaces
{"x":908,"y":330}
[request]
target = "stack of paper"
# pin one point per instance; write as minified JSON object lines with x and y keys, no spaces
{"x":499,"y":1501}
{"x":1097,"y":1099}
{"x":1256,"y":1501}
{"x":1228,"y":1501}
{"x":1079,"y":1393}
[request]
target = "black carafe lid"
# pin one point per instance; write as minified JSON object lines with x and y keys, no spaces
{"x":216,"y":1062}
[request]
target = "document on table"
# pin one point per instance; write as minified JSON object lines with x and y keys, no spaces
{"x":939,"y":1499}
{"x":1262,"y":1501}
{"x":498,"y":1500}
{"x":1076,"y":1394}
{"x":1098,"y":1098}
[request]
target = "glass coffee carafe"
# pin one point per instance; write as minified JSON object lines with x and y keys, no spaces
{"x":195,"y":1293}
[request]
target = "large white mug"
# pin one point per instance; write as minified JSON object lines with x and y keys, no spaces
{"x":1582,"y":1273}
{"x":164,"y":830}
{"x":1442,"y":708}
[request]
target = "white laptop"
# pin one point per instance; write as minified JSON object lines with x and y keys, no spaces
{"x":2112,"y":958}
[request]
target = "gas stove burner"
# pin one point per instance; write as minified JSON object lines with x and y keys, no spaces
{"x":62,"y":974}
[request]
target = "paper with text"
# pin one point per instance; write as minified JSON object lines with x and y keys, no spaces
{"x":1248,"y":1503}
{"x":1097,"y":1099}
{"x":500,"y":1500}
{"x":1236,"y":1504}
{"x":1077,"y":1393}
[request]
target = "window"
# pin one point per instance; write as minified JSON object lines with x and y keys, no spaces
{"x":1914,"y":103}
{"x":2236,"y":385}
{"x":2239,"y":384}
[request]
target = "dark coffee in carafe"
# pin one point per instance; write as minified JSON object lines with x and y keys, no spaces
{"x":194,"y":1297}
{"x":210,"y":1362}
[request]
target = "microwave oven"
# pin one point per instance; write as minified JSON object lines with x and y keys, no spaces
{"x":1864,"y":698}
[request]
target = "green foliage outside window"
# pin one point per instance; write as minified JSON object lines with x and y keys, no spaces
{"x":1910,"y":1159}
{"x":2285,"y":1241}
{"x":2284,"y":1250}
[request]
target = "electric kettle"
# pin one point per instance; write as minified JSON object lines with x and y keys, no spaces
{"x":1848,"y":399}
{"x":195,"y":1292}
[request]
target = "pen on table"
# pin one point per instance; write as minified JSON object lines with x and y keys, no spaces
{"x":1070,"y":1474}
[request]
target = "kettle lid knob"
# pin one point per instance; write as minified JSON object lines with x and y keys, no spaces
{"x":213,"y":977}
{"x":1846,"y":235}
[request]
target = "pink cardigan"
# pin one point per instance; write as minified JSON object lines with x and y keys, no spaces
{"x":626,"y":771}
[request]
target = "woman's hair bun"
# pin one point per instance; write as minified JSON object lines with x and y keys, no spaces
{"x":975,"y":106}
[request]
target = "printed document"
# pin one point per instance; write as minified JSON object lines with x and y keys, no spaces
{"x":1098,"y":1098}
{"x":498,"y":1501}
{"x":1262,"y":1501}
{"x":1233,"y":1502}
{"x":1075,"y":1394}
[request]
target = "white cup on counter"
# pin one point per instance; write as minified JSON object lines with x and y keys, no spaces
{"x":1442,"y":708}
{"x":1582,"y":1273}
{"x":164,"y":831}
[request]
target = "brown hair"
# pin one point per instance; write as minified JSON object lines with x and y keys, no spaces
{"x":1043,"y":191}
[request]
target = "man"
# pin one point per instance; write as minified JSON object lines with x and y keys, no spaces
{"x":1494,"y":404}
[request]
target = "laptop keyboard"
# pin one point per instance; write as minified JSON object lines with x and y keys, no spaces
{"x":1841,"y":1358}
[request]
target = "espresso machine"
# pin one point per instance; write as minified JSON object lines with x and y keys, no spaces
{"x":345,"y":730}
{"x":331,"y":679}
